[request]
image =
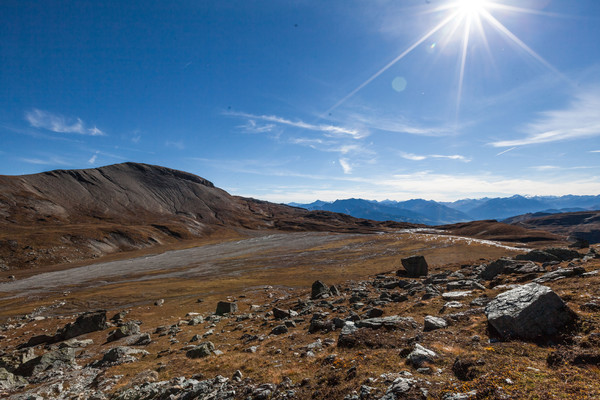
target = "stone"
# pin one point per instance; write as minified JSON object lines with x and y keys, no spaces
{"x":10,"y":381}
{"x":319,"y":290}
{"x":549,"y":254}
{"x":560,"y":274}
{"x":141,"y":340}
{"x":127,"y":329}
{"x":432,"y":323}
{"x":159,"y":302}
{"x":415,"y":266}
{"x":508,"y":266}
{"x":64,"y":357}
{"x":391,"y":323}
{"x":202,"y":350}
{"x":279,"y":330}
{"x":374,"y":313}
{"x":420,"y":355}
{"x":85,"y":323}
{"x":118,"y":355}
{"x":456,"y":295}
{"x":278,"y":313}
{"x":319,"y":325}
{"x":528,"y":312}
{"x":226,"y":307}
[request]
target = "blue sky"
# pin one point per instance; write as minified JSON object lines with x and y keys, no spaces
{"x":304,"y":100}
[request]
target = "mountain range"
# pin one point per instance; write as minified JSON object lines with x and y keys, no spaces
{"x":439,"y":213}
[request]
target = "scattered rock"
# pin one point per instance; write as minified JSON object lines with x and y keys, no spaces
{"x":127,"y":329}
{"x":226,"y":307}
{"x":159,"y":302}
{"x":550,"y":254}
{"x":560,"y":274}
{"x":528,"y":312}
{"x":60,"y":358}
{"x":279,"y":330}
{"x":202,"y":350}
{"x":319,"y":291}
{"x":415,"y":266}
{"x":432,"y":323}
{"x":9,"y":381}
{"x":420,"y":355}
{"x":118,"y":355}
{"x":392,"y":322}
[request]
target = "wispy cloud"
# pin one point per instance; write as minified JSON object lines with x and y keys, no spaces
{"x":506,"y":151}
{"x":93,"y":159}
{"x":579,"y":120}
{"x":416,"y":157}
{"x":175,"y":144}
{"x":327,"y":129}
{"x":59,"y":123}
{"x":345,"y":165}
{"x":52,"y":160}
{"x":371,"y":120}
{"x":595,"y":151}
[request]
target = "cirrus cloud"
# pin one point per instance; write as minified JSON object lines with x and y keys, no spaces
{"x":59,"y":123}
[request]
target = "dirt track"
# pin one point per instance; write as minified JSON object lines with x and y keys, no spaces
{"x":195,"y":262}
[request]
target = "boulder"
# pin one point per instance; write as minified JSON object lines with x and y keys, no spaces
{"x":279,"y":330}
{"x":87,"y":322}
{"x":118,"y":355}
{"x":420,"y":355}
{"x":64,"y":357}
{"x":9,"y":381}
{"x":560,"y":274}
{"x":415,"y":266}
{"x":549,"y":254}
{"x":508,"y":266}
{"x":202,"y":350}
{"x":432,"y":323}
{"x":226,"y":307}
{"x":528,"y":312}
{"x":127,"y":329}
{"x":278,"y":313}
{"x":391,"y":323}
{"x":319,"y":290}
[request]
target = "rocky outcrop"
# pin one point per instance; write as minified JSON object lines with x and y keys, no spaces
{"x":226,"y":307}
{"x":528,"y":312}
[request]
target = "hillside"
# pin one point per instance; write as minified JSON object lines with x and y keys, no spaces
{"x":65,"y":215}
{"x":577,"y":225}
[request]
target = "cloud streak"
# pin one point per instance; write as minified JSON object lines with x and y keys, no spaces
{"x":59,"y":123}
{"x":416,"y":157}
{"x":327,"y":129}
{"x":579,"y":120}
{"x":346,"y":166}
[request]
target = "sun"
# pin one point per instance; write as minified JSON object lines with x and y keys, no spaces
{"x":472,"y":7}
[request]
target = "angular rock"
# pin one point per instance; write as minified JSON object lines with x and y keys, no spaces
{"x":118,"y":355}
{"x":550,"y":254}
{"x":420,"y":355}
{"x":64,"y":357}
{"x":88,"y":322}
{"x":319,"y":325}
{"x":279,"y":330}
{"x":9,"y":381}
{"x":560,"y":274}
{"x":392,"y":323}
{"x":278,"y":313}
{"x":528,"y":312}
{"x":319,"y":290}
{"x":415,"y":266}
{"x":202,"y":350}
{"x":508,"y":266}
{"x":226,"y":307}
{"x":432,"y":323}
{"x":127,"y":329}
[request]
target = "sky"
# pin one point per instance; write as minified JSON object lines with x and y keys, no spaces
{"x":294,"y":101}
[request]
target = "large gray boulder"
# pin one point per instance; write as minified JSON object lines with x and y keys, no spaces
{"x":528,"y":312}
{"x":60,"y":358}
{"x":549,"y":254}
{"x":508,"y":266}
{"x":9,"y":381}
{"x":415,"y":266}
{"x":88,"y":322}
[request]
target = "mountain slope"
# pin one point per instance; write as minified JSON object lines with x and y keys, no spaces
{"x":578,"y":225}
{"x":64,"y":215}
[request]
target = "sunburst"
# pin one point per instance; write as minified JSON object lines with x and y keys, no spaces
{"x":463,"y":18}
